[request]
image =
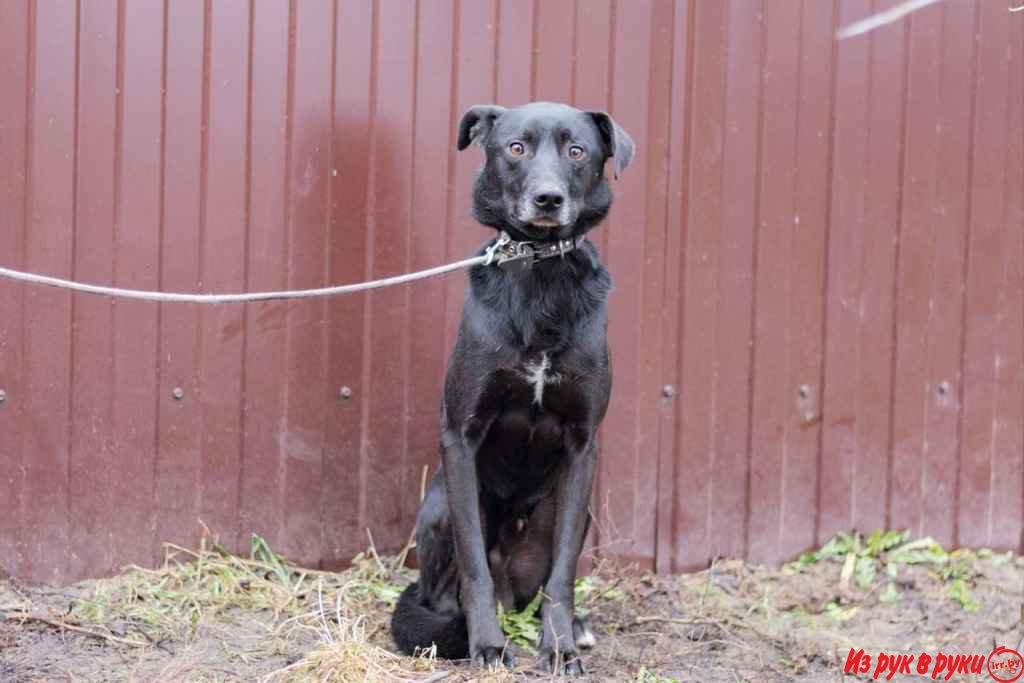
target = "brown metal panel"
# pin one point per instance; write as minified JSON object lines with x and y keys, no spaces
{"x":653,"y":273}
{"x":390,"y":477}
{"x":592,"y":56}
{"x":736,"y":277}
{"x":178,"y":460}
{"x":94,"y":456}
{"x":862,"y":248}
{"x":1008,"y":452}
{"x":913,"y":275}
{"x":636,"y":256}
{"x":306,"y":391}
{"x":49,"y":240}
{"x":345,"y":470}
{"x":952,"y":206}
{"x":474,"y":83}
{"x":516,"y":34}
{"x":717,"y":301}
{"x":802,"y":470}
{"x":990,"y":478}
{"x":222,"y":261}
{"x":931,"y":270}
{"x":881,"y":217}
{"x":774,"y":401}
{"x":675,"y":235}
{"x":15,"y":57}
{"x":137,"y":230}
{"x":552,"y":67}
{"x":841,"y":455}
{"x":624,"y":492}
{"x":617,"y":468}
{"x":698,"y":368}
{"x":432,"y":147}
{"x":262,"y":505}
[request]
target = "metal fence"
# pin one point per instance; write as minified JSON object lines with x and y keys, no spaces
{"x":819,"y":304}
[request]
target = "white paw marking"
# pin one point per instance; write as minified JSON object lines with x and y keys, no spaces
{"x":586,"y":640}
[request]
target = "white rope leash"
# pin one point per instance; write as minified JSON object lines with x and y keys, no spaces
{"x":240,"y":298}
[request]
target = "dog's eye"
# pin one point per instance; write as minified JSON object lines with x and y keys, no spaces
{"x":516,"y":149}
{"x":576,"y":153}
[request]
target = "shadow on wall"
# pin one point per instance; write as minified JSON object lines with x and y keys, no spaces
{"x":339,"y":459}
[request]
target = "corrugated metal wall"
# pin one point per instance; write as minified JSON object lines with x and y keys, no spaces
{"x":819,"y":309}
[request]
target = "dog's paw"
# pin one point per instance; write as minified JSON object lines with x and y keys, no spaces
{"x":560,"y":663}
{"x":493,"y":657}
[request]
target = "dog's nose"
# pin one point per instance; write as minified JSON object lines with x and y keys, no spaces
{"x":548,"y":200}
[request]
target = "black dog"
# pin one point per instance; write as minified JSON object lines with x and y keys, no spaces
{"x":527,"y":386}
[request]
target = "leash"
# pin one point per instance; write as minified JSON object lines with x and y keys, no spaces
{"x":506,"y":253}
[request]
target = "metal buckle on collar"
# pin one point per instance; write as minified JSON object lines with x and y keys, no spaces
{"x":518,"y":256}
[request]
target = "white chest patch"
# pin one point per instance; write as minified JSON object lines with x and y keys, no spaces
{"x":538,"y":374}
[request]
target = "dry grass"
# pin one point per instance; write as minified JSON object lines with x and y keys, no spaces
{"x":207,"y":615}
{"x":346,"y":655}
{"x":336,"y":620}
{"x":339,"y":614}
{"x":190,"y":587}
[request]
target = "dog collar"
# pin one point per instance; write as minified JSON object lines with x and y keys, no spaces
{"x":508,"y":254}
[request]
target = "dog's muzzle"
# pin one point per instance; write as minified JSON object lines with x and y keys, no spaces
{"x":546,"y":206}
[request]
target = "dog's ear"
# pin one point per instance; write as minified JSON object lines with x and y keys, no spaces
{"x":477,"y":123}
{"x":617,"y":143}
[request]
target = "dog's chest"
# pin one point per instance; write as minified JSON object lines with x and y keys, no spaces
{"x":530,"y":403}
{"x":531,"y":388}
{"x":539,"y":372}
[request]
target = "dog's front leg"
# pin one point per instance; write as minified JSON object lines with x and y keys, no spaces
{"x":558,"y":645}
{"x":486,"y":641}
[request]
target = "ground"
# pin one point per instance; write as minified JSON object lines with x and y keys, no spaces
{"x":210,"y":616}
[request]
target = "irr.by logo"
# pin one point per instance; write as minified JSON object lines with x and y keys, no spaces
{"x":1005,"y":665}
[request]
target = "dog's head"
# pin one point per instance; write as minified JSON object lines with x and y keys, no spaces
{"x":543,"y":177}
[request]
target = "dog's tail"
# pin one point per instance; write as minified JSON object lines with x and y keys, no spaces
{"x":414,"y":625}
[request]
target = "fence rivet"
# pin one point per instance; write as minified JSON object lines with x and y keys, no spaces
{"x":345,"y":393}
{"x":3,"y":396}
{"x":805,"y":391}
{"x":668,"y":391}
{"x":178,"y":393}
{"x":943,"y":388}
